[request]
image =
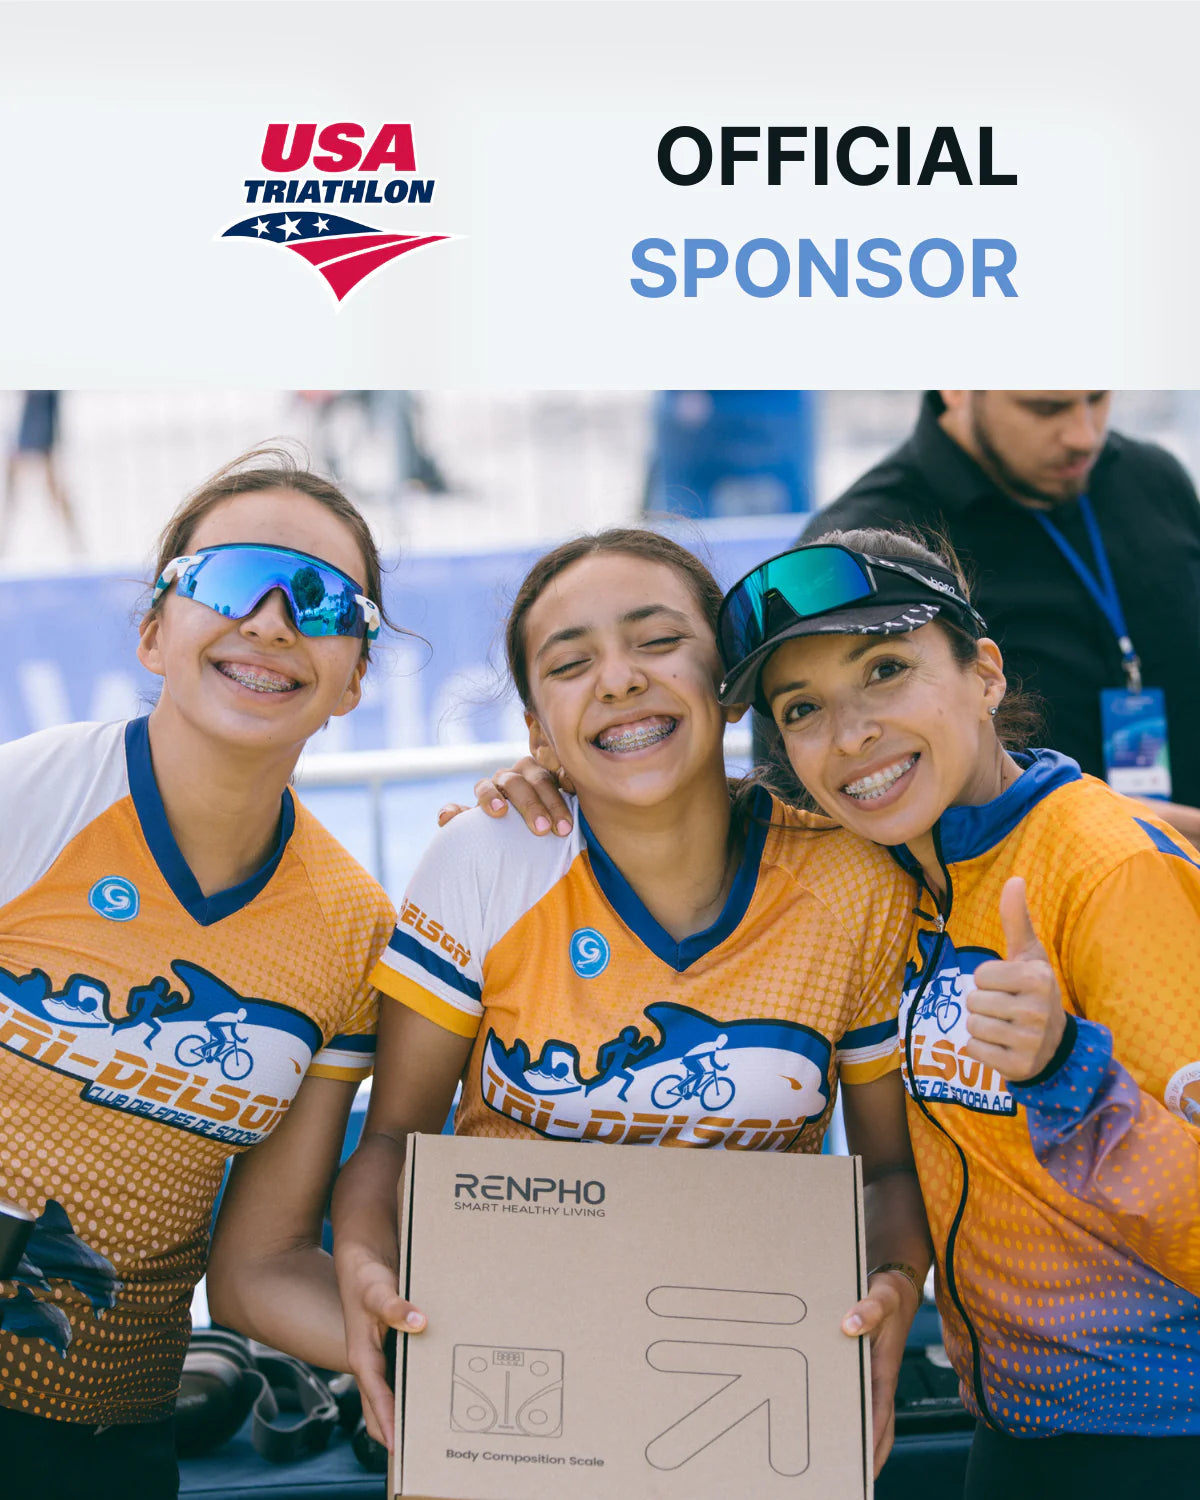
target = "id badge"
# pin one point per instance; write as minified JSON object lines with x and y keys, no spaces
{"x":1136,"y":761}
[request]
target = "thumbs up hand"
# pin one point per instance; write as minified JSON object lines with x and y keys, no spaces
{"x":1015,"y":1014}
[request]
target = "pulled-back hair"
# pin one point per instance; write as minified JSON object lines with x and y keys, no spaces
{"x":260,"y":470}
{"x":627,"y":541}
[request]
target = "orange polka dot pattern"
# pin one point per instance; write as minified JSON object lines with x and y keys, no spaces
{"x":138,"y":1191}
{"x":1074,"y":1269}
{"x":821,"y":945}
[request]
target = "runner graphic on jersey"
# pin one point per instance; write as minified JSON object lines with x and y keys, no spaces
{"x":614,"y":1058}
{"x":146,"y":1004}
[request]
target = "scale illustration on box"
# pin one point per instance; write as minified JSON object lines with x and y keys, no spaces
{"x":519,"y":1392}
{"x":507,"y":1391}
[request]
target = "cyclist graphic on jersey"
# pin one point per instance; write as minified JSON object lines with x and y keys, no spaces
{"x":614,"y":1058}
{"x":223,"y":1027}
{"x":935,"y":1064}
{"x":224,"y":1045}
{"x":702,"y":1058}
{"x":703,"y":1078}
{"x":183,"y":1017}
{"x":940,"y":1002}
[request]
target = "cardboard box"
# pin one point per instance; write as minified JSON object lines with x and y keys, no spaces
{"x":634,"y":1324}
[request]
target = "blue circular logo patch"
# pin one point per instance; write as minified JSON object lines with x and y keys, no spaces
{"x":115,"y":897}
{"x":589,"y":952}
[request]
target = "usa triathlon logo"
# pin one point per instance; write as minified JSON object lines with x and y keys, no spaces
{"x":343,"y":251}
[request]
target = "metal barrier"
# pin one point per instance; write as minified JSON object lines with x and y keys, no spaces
{"x":375,"y":769}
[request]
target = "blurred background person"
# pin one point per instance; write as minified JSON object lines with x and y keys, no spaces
{"x":34,"y":451}
{"x":339,"y":422}
{"x":731,"y":453}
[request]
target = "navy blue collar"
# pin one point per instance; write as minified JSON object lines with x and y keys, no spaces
{"x":628,"y":906}
{"x":166,"y":853}
{"x":965,"y":832}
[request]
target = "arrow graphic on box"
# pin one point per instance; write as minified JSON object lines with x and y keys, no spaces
{"x":758,"y":1375}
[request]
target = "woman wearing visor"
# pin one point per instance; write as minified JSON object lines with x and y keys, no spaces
{"x":184,"y":961}
{"x":1049,"y":1032}
{"x":1049,"y":1025}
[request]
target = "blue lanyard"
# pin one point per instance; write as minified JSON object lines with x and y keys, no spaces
{"x":1103,"y":589}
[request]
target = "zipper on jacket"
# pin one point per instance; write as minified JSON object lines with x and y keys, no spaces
{"x":940,"y":920}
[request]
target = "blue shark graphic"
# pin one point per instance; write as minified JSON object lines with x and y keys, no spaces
{"x":55,"y":1252}
{"x":189,"y":1019}
{"x":85,"y":1001}
{"x":695,"y":1068}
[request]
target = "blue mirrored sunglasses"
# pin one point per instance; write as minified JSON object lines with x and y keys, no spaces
{"x":234,"y":577}
{"x":820,"y":578}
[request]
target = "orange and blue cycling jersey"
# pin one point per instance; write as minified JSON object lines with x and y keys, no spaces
{"x":1065,"y":1210}
{"x":147,"y":1033}
{"x":590,"y":1022}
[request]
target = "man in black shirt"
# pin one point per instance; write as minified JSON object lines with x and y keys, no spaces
{"x":977,"y":469}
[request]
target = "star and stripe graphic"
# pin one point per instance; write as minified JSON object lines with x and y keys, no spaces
{"x":343,"y":251}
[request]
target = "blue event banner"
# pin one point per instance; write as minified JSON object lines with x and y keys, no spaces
{"x":70,"y":642}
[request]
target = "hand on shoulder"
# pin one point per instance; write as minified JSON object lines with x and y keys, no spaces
{"x":538,"y":794}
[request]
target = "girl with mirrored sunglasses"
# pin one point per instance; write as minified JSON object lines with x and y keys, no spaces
{"x":184,"y":959}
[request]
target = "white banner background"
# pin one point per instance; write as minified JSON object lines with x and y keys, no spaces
{"x":127,"y":131}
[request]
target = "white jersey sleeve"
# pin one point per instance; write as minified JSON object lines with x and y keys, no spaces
{"x":478,"y":877}
{"x":52,"y":785}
